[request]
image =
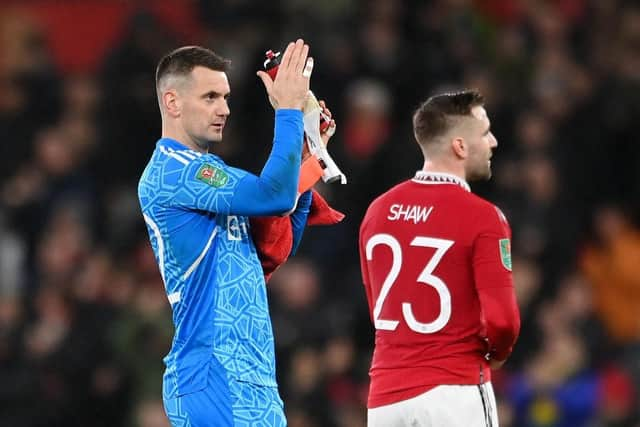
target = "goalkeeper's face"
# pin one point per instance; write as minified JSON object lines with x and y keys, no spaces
{"x":481,"y":143}
{"x":205,"y":109}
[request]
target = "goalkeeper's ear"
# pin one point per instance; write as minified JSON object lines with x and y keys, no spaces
{"x":169,"y":103}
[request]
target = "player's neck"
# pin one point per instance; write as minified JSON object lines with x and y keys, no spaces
{"x":440,"y":167}
{"x":179,"y":135}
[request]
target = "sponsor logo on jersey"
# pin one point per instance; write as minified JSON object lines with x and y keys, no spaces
{"x":212,"y":175}
{"x":235,"y":228}
{"x":505,"y":253}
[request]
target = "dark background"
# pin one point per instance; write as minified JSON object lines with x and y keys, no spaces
{"x":84,"y":321}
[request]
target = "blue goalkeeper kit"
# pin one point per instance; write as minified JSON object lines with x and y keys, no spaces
{"x":221,"y":367}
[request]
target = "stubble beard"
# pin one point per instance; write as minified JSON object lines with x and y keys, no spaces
{"x":203,"y":144}
{"x":479,"y":174}
{"x":207,"y":144}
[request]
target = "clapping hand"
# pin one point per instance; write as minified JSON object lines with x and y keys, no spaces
{"x":290,"y":87}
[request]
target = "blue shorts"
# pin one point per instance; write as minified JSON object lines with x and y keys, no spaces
{"x":225,"y":402}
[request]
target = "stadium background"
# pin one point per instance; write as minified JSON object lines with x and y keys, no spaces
{"x":84,"y":321}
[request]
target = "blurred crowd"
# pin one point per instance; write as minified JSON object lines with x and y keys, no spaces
{"x":84,"y":321}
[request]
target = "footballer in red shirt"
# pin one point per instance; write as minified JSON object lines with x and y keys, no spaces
{"x":436,"y":266}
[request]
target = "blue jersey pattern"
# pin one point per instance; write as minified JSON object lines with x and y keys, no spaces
{"x":196,"y":209}
{"x":210,"y":268}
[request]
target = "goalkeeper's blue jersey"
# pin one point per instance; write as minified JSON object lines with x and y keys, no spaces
{"x":196,"y":210}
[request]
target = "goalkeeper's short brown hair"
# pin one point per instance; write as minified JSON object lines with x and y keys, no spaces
{"x":180,"y":62}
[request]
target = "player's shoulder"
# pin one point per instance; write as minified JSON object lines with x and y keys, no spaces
{"x":174,"y":153}
{"x":486,"y":210}
{"x":175,"y":162}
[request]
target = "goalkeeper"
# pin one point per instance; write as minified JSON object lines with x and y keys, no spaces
{"x":221,"y":367}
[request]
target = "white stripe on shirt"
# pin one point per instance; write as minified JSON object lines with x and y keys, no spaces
{"x":156,"y":233}
{"x":174,"y":155}
{"x":185,"y":153}
{"x":198,"y":260}
{"x":174,"y":297}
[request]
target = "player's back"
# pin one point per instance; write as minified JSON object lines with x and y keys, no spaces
{"x":416,"y":244}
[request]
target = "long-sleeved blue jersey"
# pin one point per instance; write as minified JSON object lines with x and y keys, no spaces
{"x":196,"y":209}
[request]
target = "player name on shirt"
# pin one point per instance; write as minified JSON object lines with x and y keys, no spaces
{"x":415,"y":213}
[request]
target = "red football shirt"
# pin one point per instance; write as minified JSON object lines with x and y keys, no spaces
{"x":436,"y":267}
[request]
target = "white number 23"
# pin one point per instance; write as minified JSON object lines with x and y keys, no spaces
{"x":441,"y":246}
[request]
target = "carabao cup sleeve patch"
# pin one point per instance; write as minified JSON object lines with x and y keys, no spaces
{"x":505,"y":253}
{"x":212,"y":175}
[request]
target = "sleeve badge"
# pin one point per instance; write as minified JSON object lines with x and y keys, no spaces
{"x":505,"y":253}
{"x":212,"y":175}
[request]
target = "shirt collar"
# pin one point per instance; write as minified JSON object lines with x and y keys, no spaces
{"x":425,"y":177}
{"x":172,"y":143}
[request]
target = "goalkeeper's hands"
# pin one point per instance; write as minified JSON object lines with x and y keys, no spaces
{"x":290,"y":87}
{"x":330,"y":130}
{"x":311,"y":171}
{"x":325,"y":132}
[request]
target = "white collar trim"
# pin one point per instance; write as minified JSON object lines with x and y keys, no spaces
{"x":424,"y":177}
